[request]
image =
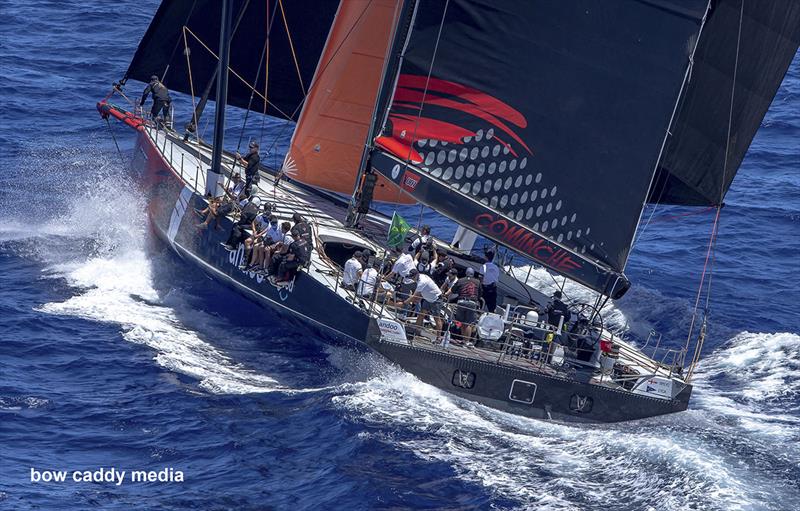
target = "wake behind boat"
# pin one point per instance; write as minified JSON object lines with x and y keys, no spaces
{"x":397,"y":111}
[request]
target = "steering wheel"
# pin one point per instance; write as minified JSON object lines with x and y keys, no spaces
{"x":594,"y":328}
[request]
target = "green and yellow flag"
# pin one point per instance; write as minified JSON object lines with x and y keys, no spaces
{"x":397,"y":231}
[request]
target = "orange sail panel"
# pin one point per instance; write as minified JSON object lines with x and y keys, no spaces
{"x":329,"y":139}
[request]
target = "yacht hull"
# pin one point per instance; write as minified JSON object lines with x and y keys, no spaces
{"x":508,"y":388}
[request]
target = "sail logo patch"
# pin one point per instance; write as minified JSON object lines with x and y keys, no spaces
{"x":409,"y":181}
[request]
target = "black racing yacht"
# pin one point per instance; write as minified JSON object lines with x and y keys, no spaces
{"x":540,"y":129}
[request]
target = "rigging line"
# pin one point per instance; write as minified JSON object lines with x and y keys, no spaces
{"x":425,"y":91}
{"x":191,"y":82}
{"x":270,"y":20}
{"x":714,"y":234}
{"x":702,"y":281}
{"x":291,"y":47}
{"x":191,"y":89}
{"x":178,"y":42}
{"x":114,"y":137}
{"x":237,"y":75}
{"x":246,"y":115}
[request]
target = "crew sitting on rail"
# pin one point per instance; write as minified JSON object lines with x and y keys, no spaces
{"x":557,"y":309}
{"x":218,"y":207}
{"x":491,"y":274}
{"x":259,"y":261}
{"x":277,"y":251}
{"x":303,"y":238}
{"x":291,"y":262}
{"x":161,"y":99}
{"x":468,"y":295}
{"x":429,"y":296}
{"x":246,"y":219}
{"x":352,"y":271}
{"x":254,"y":243}
{"x":236,"y":189}
{"x":250,"y":163}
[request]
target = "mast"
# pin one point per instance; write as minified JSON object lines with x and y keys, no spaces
{"x":385,"y":92}
{"x":214,"y":173}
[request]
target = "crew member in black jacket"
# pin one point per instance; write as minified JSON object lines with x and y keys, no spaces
{"x":250,"y":163}
{"x":161,"y":99}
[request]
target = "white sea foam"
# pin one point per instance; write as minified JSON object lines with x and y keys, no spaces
{"x":657,"y":464}
{"x":97,"y":246}
{"x":753,"y":383}
{"x":118,"y":290}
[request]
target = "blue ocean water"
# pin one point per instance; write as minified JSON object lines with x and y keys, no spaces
{"x":115,"y":354}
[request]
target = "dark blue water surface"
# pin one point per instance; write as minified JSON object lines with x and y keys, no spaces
{"x":115,"y":354}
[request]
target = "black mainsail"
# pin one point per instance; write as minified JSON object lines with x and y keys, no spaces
{"x":540,"y":124}
{"x":295,"y":47}
{"x":693,"y":170}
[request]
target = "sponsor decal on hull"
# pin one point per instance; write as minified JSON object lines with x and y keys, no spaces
{"x":237,"y":257}
{"x":181,"y":205}
{"x":392,"y":331}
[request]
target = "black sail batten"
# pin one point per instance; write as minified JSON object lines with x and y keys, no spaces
{"x":692,"y":170}
{"x":549,"y":115}
{"x":309,"y":22}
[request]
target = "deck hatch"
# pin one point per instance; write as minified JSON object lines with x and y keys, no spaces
{"x":522,"y":391}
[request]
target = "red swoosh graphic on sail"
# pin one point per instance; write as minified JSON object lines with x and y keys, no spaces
{"x":407,"y":128}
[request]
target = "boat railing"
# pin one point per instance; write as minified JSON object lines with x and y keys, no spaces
{"x":658,"y":359}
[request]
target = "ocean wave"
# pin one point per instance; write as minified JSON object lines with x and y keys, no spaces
{"x":546,"y":465}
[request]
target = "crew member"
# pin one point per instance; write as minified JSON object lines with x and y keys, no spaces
{"x":468,"y":289}
{"x":250,"y":163}
{"x":369,"y":279}
{"x":352,"y":271}
{"x":429,"y":294}
{"x":556,"y":309}
{"x":491,"y":274}
{"x":301,"y":232}
{"x":404,"y":264}
{"x":246,"y":218}
{"x":444,"y":263}
{"x":161,"y":99}
{"x":422,"y":239}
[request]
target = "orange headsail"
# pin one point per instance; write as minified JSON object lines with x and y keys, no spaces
{"x":329,"y":139}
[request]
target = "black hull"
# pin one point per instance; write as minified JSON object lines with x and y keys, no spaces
{"x":553,"y":398}
{"x":504,"y":387}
